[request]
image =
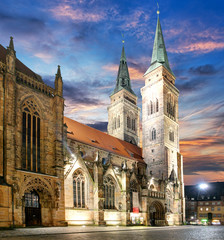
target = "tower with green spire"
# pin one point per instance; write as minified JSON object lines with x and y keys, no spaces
{"x":160,"y":127}
{"x":123,"y":112}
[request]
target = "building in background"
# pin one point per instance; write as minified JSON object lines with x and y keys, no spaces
{"x":57,"y":170}
{"x":205,"y":203}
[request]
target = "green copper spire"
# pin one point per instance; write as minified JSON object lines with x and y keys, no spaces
{"x":123,"y":79}
{"x":159,"y":55}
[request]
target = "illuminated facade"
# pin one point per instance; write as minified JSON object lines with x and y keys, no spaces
{"x":54,"y":170}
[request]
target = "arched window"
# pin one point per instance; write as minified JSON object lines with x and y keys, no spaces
{"x":153,"y":134}
{"x":79,"y":189}
{"x":118,"y":122}
{"x":133,"y":124}
{"x":151,"y":107}
{"x":171,"y":108}
{"x":157,"y":105}
{"x":109,"y":193}
{"x":115,"y":123}
{"x":171,"y":136}
{"x":133,"y":190}
{"x":31,"y":136}
{"x":128,"y":122}
{"x":148,"y":109}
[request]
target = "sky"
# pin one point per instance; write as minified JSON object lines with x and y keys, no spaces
{"x":84,"y":37}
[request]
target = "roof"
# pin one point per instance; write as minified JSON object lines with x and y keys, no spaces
{"x":91,"y":136}
{"x":19,"y":65}
{"x":159,"y":54}
{"x":123,"y":78}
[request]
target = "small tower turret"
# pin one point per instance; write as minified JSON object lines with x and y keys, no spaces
{"x":123,"y":112}
{"x":11,"y":57}
{"x":58,"y":83}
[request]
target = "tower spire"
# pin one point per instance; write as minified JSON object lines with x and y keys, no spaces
{"x":123,"y":79}
{"x":58,"y":83}
{"x":11,"y":44}
{"x":159,"y":54}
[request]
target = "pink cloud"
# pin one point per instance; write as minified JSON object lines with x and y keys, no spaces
{"x":199,"y":47}
{"x":67,"y":12}
{"x":135,"y":74}
{"x":209,"y":176}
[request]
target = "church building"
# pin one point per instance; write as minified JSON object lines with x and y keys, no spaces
{"x":56,"y":171}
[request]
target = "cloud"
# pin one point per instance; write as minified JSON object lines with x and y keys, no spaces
{"x":67,"y":12}
{"x":198,"y":47}
{"x":207,"y":176}
{"x":207,"y":69}
{"x":190,"y":86}
{"x":102,"y":126}
{"x":134,"y":72}
{"x":24,"y":26}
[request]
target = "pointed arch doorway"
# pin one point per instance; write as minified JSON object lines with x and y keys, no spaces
{"x":156,"y":214}
{"x":32,"y":209}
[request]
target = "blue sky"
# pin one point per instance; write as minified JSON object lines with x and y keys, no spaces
{"x":84,"y":37}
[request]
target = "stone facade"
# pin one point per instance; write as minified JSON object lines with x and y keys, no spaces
{"x":56,"y":171}
{"x":22,"y":90}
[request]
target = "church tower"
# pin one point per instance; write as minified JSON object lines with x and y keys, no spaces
{"x":160,"y":127}
{"x":123,"y":112}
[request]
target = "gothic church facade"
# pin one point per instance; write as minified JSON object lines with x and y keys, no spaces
{"x":56,"y":171}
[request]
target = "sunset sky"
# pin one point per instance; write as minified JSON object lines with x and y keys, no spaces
{"x":84,"y":37}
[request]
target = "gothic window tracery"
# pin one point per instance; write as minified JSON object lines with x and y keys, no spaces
{"x":128,"y":122}
{"x":31,"y":136}
{"x":109,"y":193}
{"x":133,"y":124}
{"x":153,"y":134}
{"x":79,"y":189}
{"x":157,"y":105}
{"x":32,"y":199}
{"x":171,"y":107}
{"x":151,"y":107}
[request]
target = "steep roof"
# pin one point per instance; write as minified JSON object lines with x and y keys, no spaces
{"x":91,"y":136}
{"x":123,"y":78}
{"x":159,"y":54}
{"x":19,"y":65}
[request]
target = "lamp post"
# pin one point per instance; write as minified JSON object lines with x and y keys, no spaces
{"x":201,"y":186}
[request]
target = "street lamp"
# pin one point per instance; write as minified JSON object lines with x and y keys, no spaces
{"x":203,"y":186}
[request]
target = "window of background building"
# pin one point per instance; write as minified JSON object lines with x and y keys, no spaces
{"x":218,"y":209}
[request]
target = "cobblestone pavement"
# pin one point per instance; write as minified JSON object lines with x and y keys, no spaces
{"x":114,"y":233}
